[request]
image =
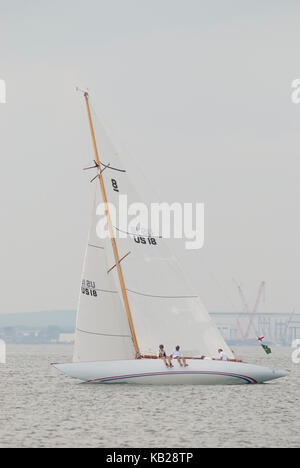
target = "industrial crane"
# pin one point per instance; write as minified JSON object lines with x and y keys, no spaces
{"x":251,"y":314}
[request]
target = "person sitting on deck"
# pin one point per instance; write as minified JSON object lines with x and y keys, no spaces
{"x":223,"y":356}
{"x":177,"y":354}
{"x":163,"y":355}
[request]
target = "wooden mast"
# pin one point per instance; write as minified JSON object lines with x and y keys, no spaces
{"x":111,"y":231}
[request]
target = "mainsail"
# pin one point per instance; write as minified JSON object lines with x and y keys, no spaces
{"x":163,"y":308}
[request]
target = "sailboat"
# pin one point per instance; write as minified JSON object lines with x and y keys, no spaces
{"x":134,"y":297}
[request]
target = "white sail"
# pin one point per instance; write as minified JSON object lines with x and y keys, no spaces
{"x":102,"y":330}
{"x":163,"y":308}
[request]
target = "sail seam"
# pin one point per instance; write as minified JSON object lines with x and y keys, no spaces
{"x":106,"y":291}
{"x":163,"y":297}
{"x":96,"y":246}
{"x":134,"y":234}
{"x":102,"y":334}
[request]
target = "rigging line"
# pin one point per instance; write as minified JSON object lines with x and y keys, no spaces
{"x":161,"y":297}
{"x":102,"y":334}
{"x":220,"y":286}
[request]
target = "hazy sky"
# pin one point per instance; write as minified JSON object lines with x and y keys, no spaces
{"x":199,"y":93}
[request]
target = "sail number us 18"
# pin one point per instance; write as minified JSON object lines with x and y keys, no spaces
{"x":89,"y":288}
{"x":143,"y":240}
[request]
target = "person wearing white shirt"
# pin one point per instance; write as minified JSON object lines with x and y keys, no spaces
{"x":222,"y":355}
{"x":177,"y":354}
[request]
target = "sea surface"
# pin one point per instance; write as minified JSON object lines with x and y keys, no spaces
{"x":42,"y":408}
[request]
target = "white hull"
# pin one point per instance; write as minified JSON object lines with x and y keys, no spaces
{"x":155,"y":372}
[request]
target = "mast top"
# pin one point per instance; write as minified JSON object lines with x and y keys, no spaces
{"x":85,"y":92}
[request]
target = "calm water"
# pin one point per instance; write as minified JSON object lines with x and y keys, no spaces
{"x":42,"y":408}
